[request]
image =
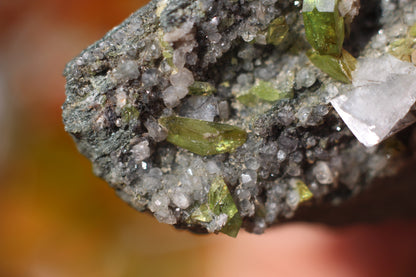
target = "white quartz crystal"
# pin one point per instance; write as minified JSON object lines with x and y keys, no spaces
{"x":384,"y":90}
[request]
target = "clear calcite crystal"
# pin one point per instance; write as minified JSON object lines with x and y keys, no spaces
{"x":383,"y":94}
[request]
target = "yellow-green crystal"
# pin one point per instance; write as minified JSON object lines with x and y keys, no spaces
{"x":201,"y":88}
{"x":412,"y":31}
{"x":267,"y":91}
{"x":130,"y":113}
{"x":248,"y":99}
{"x":203,"y":137}
{"x":202,"y":214}
{"x":277,"y":31}
{"x":220,"y":201}
{"x":304,"y":193}
{"x":324,"y":26}
{"x":167,"y":49}
{"x":339,"y":68}
{"x":404,"y":47}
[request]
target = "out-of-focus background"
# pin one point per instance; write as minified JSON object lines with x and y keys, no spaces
{"x":58,"y":219}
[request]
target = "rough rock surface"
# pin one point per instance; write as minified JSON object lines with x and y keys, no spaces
{"x":144,"y":69}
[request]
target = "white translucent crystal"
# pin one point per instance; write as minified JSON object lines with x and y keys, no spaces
{"x":160,"y":201}
{"x":141,"y":151}
{"x":203,"y":108}
{"x":217,"y":223}
{"x":172,"y":95}
{"x":305,"y":78}
{"x":293,"y":199}
{"x":320,"y":5}
{"x":178,"y":33}
{"x":181,"y":200}
{"x":281,"y":155}
{"x":179,"y":58}
{"x":121,"y":98}
{"x":183,"y":78}
{"x":156,"y":132}
{"x":323,"y":173}
{"x":127,"y":70}
{"x":384,"y":91}
{"x":224,"y":110}
{"x":212,"y":167}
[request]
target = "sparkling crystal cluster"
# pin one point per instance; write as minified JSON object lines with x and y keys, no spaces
{"x":210,"y":115}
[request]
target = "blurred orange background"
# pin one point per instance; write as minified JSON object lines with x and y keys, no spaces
{"x":58,"y":219}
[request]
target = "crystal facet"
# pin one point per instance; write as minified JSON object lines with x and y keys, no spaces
{"x":384,"y":92}
{"x":203,"y":137}
{"x":220,"y":202}
{"x":324,"y":26}
{"x":339,"y":68}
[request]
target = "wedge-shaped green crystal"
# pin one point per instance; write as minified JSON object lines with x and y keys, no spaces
{"x":201,"y":88}
{"x":268,"y":92}
{"x":304,"y":193}
{"x":248,"y":99}
{"x":277,"y":31}
{"x":339,"y":68}
{"x":203,"y":137}
{"x":403,"y":48}
{"x":220,"y":201}
{"x":202,"y":214}
{"x":324,"y":26}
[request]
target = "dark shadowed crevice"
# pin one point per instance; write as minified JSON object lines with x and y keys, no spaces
{"x":364,"y":26}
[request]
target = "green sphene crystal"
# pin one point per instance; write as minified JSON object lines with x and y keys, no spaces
{"x":268,"y":92}
{"x":202,"y":214}
{"x":220,"y":201}
{"x":129,"y":112}
{"x":203,"y":137}
{"x":339,"y":68}
{"x":412,"y":31}
{"x":201,"y":88}
{"x":403,"y":48}
{"x":277,"y":31}
{"x":324,"y":26}
{"x":304,"y":193}
{"x":248,"y":99}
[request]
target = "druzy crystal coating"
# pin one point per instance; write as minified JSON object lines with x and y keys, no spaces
{"x":210,"y":116}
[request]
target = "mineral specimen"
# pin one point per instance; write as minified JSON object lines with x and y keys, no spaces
{"x":209,"y":114}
